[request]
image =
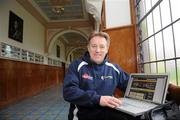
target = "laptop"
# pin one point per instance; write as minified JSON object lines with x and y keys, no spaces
{"x":144,"y":92}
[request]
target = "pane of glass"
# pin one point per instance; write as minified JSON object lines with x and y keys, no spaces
{"x":148,"y":5}
{"x":175,"y":9}
{"x":161,"y":68}
{"x":142,"y":8}
{"x":171,"y":69}
{"x":177,"y":37}
{"x":137,"y":14}
{"x":159,"y":46}
{"x":152,"y":49}
{"x":146,"y":68}
{"x":178,"y":71}
{"x":153,"y":68}
{"x":165,"y":13}
{"x":150,"y":24}
{"x":145,"y":51}
{"x":168,"y":43}
{"x":143,"y":29}
{"x":154,"y":2}
{"x":157,"y":21}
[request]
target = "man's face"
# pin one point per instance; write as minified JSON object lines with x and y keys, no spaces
{"x":98,"y":48}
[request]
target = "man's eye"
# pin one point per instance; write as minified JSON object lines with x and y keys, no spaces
{"x":94,"y":46}
{"x":102,"y":47}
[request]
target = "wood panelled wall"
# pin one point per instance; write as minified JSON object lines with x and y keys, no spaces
{"x":19,"y":80}
{"x":122,"y":48}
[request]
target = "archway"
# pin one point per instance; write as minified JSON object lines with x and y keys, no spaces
{"x":69,"y":47}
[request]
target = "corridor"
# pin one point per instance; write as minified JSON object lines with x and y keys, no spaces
{"x":48,"y":105}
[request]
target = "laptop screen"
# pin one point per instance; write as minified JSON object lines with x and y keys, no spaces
{"x":148,"y":87}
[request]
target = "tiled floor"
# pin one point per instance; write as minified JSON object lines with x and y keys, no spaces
{"x":49,"y":105}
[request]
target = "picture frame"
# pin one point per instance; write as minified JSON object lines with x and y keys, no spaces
{"x":15,"y":31}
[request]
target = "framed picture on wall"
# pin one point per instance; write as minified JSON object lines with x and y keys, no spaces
{"x":15,"y":27}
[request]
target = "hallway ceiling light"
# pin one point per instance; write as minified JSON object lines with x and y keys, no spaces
{"x":58,"y":6}
{"x":58,"y":10}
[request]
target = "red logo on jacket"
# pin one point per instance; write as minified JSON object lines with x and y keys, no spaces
{"x":86,"y":76}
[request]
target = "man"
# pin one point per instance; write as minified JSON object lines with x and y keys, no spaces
{"x":90,"y":83}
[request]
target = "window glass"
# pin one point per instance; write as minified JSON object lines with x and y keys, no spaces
{"x":138,"y":14}
{"x":175,"y":9}
{"x":168,"y":43}
{"x":178,"y":70}
{"x":176,"y":27}
{"x":146,"y":68}
{"x":152,"y":49}
{"x":159,"y":46}
{"x":159,"y":34}
{"x":161,"y":68}
{"x":154,"y":2}
{"x":145,"y":49}
{"x":157,"y":21}
{"x":143,"y":29}
{"x":142,"y":8}
{"x":165,"y":13}
{"x":150,"y":24}
{"x":171,"y":69}
{"x":153,"y":68}
{"x":148,"y":5}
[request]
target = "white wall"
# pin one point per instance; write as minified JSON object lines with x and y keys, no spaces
{"x":117,"y":13}
{"x":33,"y":30}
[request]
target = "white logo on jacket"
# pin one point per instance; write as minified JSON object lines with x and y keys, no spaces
{"x":106,"y":77}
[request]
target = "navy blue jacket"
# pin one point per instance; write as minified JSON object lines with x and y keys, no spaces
{"x":85,"y":82}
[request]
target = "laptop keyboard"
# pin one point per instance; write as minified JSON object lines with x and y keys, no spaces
{"x":136,"y":103}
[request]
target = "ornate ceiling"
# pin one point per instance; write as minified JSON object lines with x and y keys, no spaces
{"x":72,"y":9}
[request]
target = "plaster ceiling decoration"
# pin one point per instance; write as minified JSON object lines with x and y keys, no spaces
{"x":71,"y":9}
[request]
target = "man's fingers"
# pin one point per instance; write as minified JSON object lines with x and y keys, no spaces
{"x":114,"y":102}
{"x":110,"y":101}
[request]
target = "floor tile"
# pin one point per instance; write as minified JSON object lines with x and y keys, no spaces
{"x":48,"y":105}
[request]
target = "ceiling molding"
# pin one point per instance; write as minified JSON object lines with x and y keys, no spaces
{"x":67,"y":24}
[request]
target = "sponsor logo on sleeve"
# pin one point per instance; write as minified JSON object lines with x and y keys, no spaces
{"x":87,"y":77}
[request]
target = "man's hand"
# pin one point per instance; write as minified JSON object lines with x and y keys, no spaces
{"x":110,"y":101}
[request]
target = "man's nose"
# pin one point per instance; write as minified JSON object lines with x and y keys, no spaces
{"x":98,"y":49}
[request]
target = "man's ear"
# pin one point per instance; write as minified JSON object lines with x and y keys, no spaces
{"x":88,"y":47}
